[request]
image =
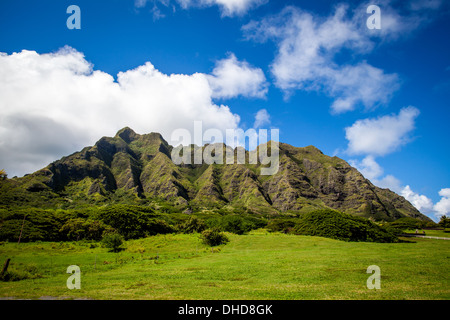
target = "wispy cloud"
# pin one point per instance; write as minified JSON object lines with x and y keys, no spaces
{"x":419,"y":5}
{"x":308,"y":45}
{"x":262,"y":118}
{"x":228,"y":8}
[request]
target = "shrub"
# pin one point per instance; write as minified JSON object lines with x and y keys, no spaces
{"x":79,"y":228}
{"x":38,"y":224}
{"x":408,"y":223}
{"x":281,"y":225}
{"x":113,"y":241}
{"x":158,"y":226}
{"x":337,"y":225}
{"x":84,"y":223}
{"x":213,"y":237}
{"x":444,"y":222}
{"x":192,"y":225}
{"x":236,"y":224}
{"x":133,"y":222}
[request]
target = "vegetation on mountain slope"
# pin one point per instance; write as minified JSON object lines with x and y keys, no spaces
{"x":137,"y":170}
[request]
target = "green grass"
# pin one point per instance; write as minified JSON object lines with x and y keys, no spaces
{"x":438,"y":233}
{"x":432,"y":233}
{"x":259,"y":265}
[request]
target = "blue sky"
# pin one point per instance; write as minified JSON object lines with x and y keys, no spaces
{"x":376,"y":98}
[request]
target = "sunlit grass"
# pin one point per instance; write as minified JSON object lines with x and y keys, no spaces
{"x":259,"y":265}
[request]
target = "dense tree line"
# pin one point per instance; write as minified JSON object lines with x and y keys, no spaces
{"x":132,"y":222}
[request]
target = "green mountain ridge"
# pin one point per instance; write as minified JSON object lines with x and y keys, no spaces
{"x":137,"y":168}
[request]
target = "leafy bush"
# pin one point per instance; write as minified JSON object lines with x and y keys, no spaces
{"x":337,"y":225}
{"x":83,"y":223}
{"x":10,"y":230}
{"x":281,"y":225}
{"x":236,"y":224}
{"x":132,"y":221}
{"x":444,"y":222}
{"x":38,"y":224}
{"x":408,"y":223}
{"x":3,"y":175}
{"x":213,"y":237}
{"x":192,"y":225}
{"x":79,"y":228}
{"x":158,"y":226}
{"x":113,"y":241}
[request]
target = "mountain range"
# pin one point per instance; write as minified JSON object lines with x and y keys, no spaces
{"x":139,"y":168}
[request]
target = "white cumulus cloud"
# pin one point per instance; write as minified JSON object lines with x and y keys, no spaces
{"x":443,"y":206}
{"x":369,"y":168}
{"x":382,"y":135}
{"x":232,"y":78}
{"x":420,"y":202}
{"x":53,"y":104}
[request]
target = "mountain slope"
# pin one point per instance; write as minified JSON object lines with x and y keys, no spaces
{"x":139,"y":167}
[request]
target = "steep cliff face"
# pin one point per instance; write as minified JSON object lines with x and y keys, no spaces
{"x":141,"y":166}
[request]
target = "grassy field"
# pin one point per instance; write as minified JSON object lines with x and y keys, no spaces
{"x":434,"y":233}
{"x":259,"y":265}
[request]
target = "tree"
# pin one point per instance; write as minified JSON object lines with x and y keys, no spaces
{"x":79,"y":228}
{"x":73,"y":228}
{"x":130,"y":221}
{"x":192,"y":225}
{"x":3,"y":174}
{"x":444,"y":222}
{"x":113,"y":241}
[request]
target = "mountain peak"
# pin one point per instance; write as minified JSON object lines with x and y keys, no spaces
{"x":127,"y":134}
{"x":313,"y":149}
{"x":141,"y":166}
